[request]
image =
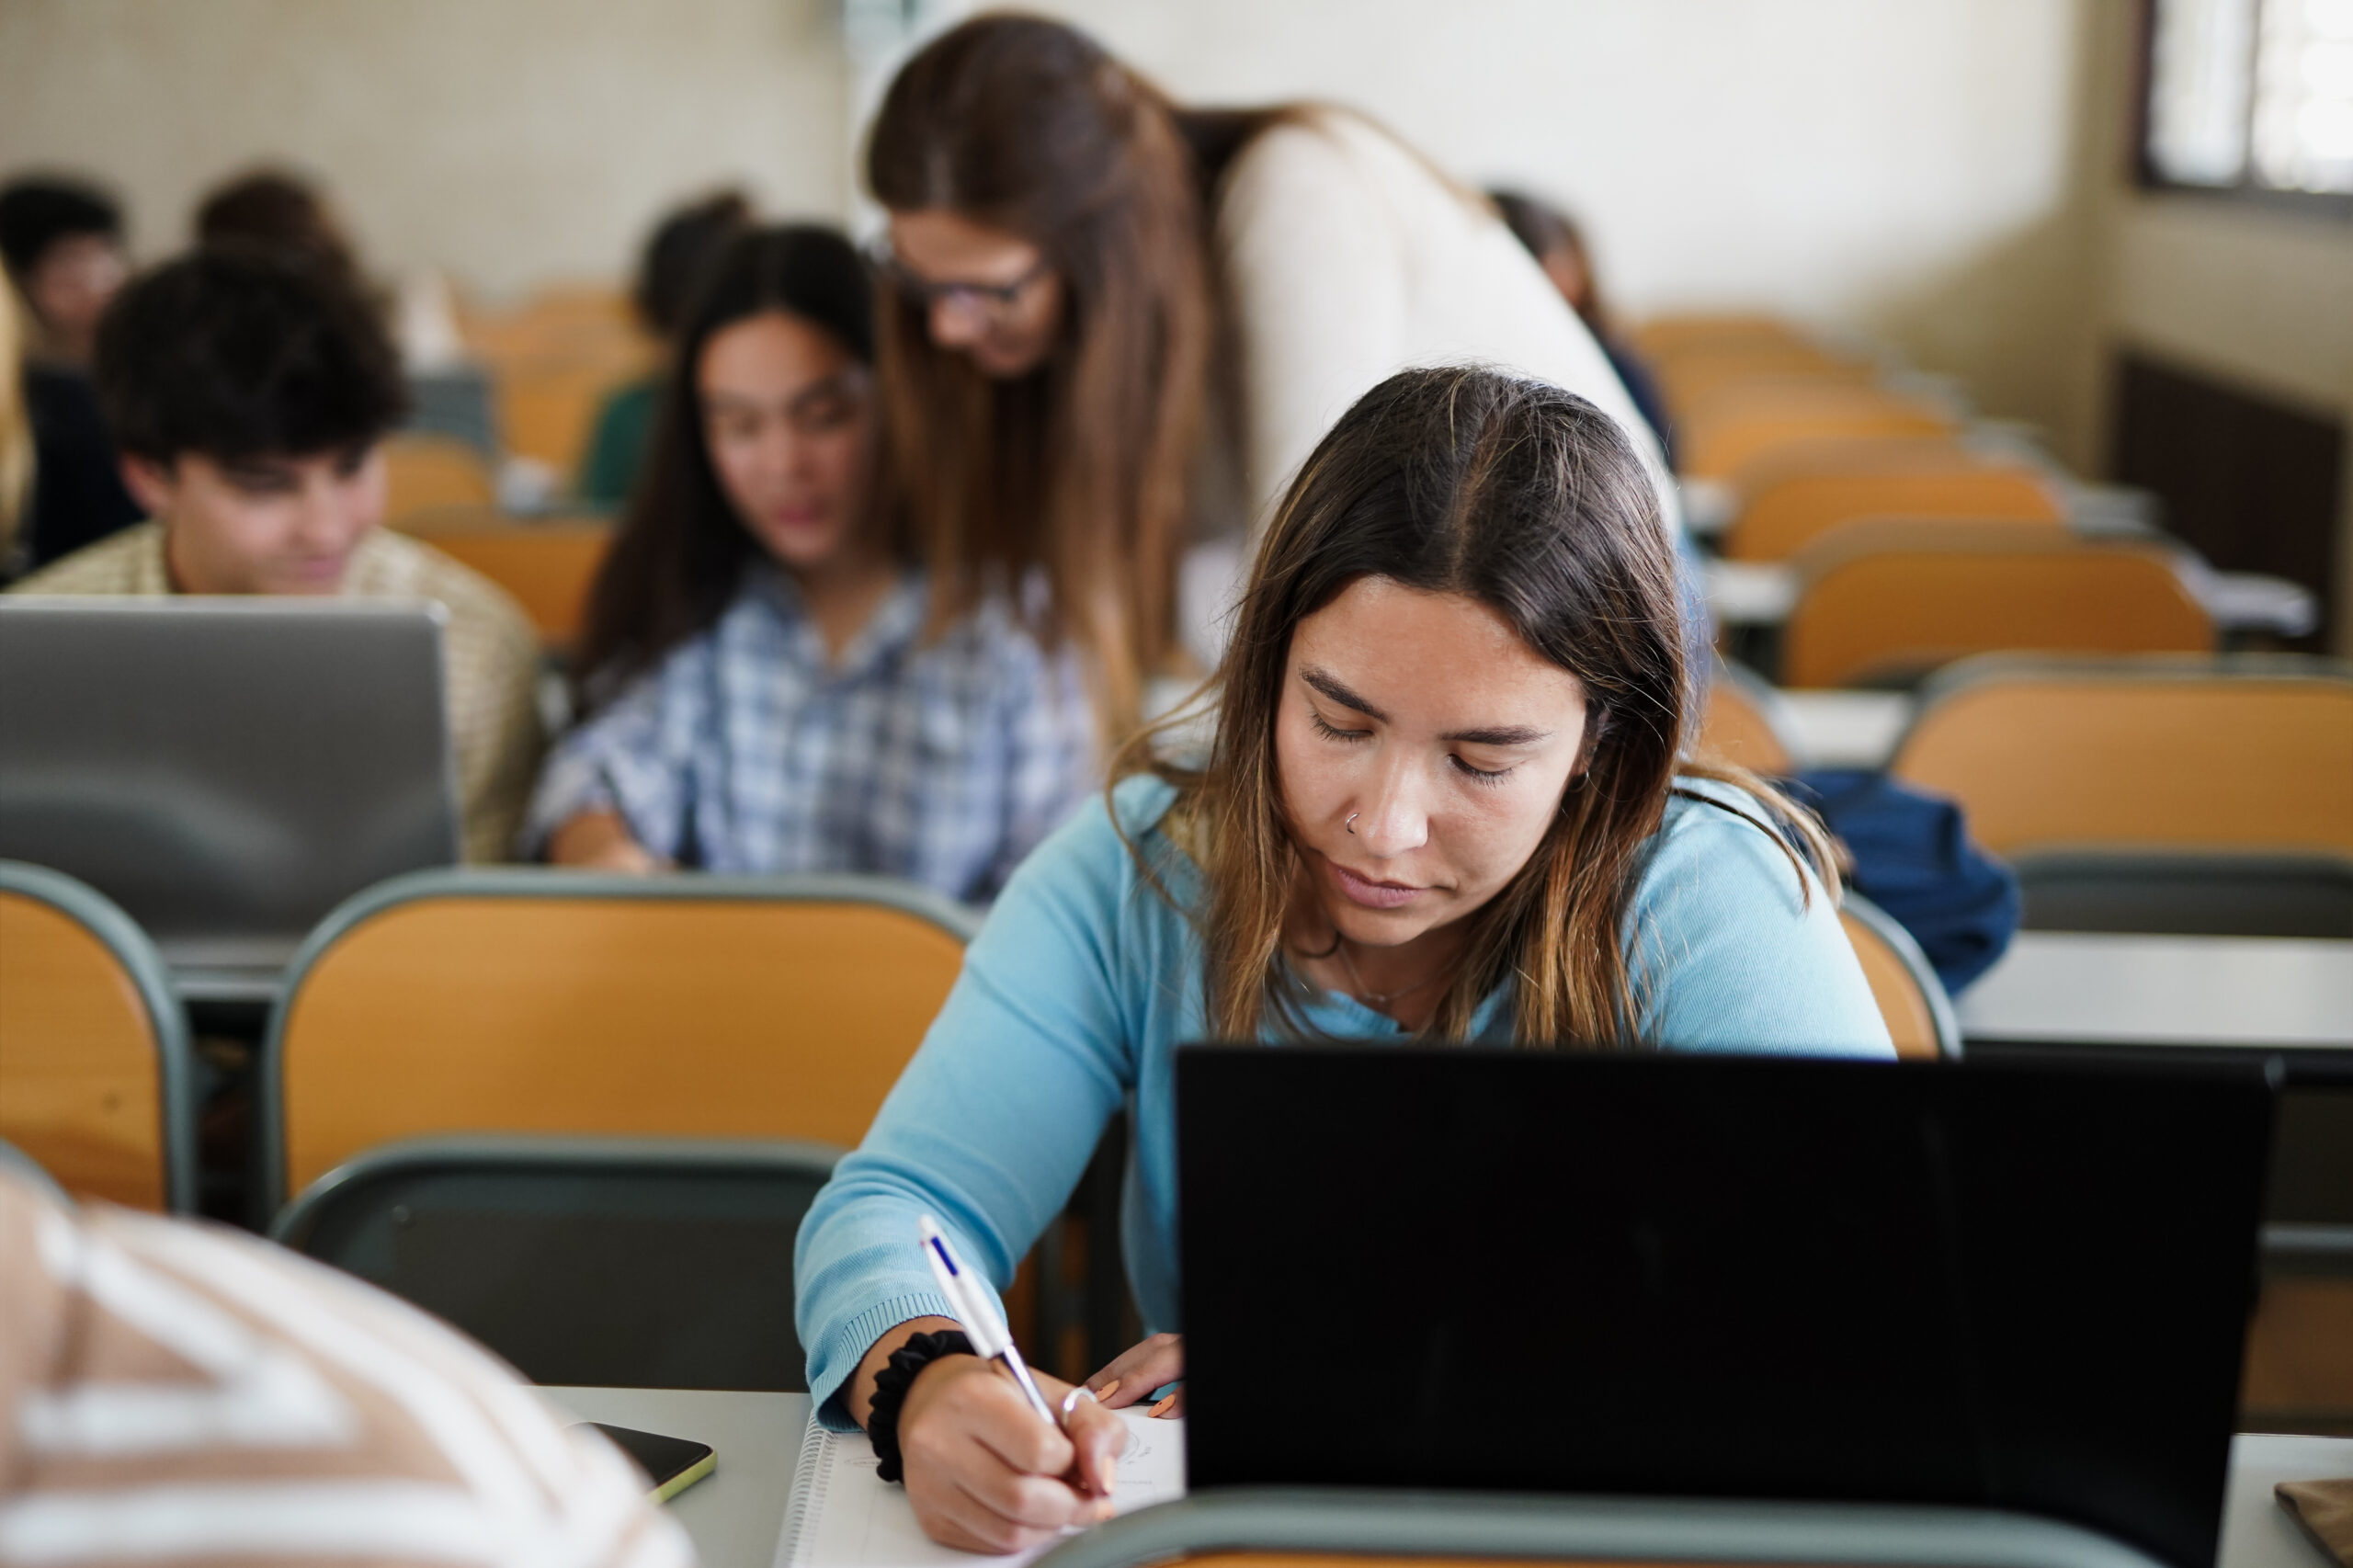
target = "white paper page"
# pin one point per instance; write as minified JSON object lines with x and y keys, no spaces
{"x":844,"y":1516}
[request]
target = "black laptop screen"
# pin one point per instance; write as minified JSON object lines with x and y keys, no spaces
{"x":2008,"y":1287}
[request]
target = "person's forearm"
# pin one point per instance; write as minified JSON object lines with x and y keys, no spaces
{"x":858,"y":1394}
{"x":598,"y":839}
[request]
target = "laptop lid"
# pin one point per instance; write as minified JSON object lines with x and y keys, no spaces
{"x":2007,"y":1287}
{"x":226,"y":769}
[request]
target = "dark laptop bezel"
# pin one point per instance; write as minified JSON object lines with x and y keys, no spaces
{"x":1274,"y":1143}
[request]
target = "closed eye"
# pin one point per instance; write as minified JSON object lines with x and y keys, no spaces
{"x":1329,"y":734}
{"x":1479,"y":775}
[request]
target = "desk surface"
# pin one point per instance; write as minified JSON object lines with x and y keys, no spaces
{"x":734,"y":1517}
{"x":736,"y":1513}
{"x":2067,"y":987}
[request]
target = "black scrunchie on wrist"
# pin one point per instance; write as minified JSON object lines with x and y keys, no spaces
{"x":890,"y":1385}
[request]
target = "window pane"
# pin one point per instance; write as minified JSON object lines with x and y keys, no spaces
{"x":2303,"y":104}
{"x":2200,"y":56}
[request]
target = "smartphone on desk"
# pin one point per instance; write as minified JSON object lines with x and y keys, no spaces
{"x":672,"y":1464}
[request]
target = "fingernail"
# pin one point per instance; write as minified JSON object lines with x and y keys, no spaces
{"x":1164,"y":1407}
{"x":1108,"y":1389}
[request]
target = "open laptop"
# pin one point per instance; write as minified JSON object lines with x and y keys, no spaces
{"x":2008,"y":1287}
{"x":226,"y":769}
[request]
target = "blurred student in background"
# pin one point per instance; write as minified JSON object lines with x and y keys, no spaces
{"x":62,"y":243}
{"x":274,"y":211}
{"x":769,"y":687}
{"x":1553,"y":238}
{"x":283,"y":212}
{"x":676,"y":257}
{"x":250,"y":396}
{"x":1117,"y":323}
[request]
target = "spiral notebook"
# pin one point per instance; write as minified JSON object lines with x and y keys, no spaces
{"x":844,"y":1516}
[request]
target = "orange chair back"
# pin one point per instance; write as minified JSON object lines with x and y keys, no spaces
{"x":1669,"y":337}
{"x":1902,"y":1002}
{"x":81,"y":1074}
{"x":566,"y":1002}
{"x":1779,"y":519}
{"x":1737,"y":730}
{"x":551,"y":363}
{"x":1721,"y":446}
{"x":546,"y":411}
{"x":1690,"y":379}
{"x":1902,"y":611}
{"x":422,"y":472}
{"x":549,"y":564}
{"x":2147,"y":753}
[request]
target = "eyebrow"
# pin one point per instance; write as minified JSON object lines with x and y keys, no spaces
{"x":1488,"y":736}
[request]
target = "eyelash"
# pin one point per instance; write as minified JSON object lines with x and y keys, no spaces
{"x":1486,"y":778}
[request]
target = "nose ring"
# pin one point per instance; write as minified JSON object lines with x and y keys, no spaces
{"x":1351,"y":824}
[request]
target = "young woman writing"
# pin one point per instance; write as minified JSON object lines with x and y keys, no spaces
{"x":1443,"y":803}
{"x":766,"y":687}
{"x":1119,"y":323}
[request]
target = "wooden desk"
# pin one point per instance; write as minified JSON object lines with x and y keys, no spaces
{"x":735,"y":1516}
{"x":2252,"y":993}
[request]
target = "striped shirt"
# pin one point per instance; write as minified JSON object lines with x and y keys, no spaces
{"x":749,"y":750}
{"x":489,"y":654}
{"x":176,"y":1392}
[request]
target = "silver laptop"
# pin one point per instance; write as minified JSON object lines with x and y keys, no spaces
{"x":226,"y":769}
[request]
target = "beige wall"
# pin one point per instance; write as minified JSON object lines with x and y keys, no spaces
{"x":1904,"y":168}
{"x":510,"y":141}
{"x":2253,"y":295}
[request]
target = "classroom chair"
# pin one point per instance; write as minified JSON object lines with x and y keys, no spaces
{"x":1689,"y":379}
{"x":1747,"y":723}
{"x":534,"y":1000}
{"x":2238,"y":754}
{"x":1866,"y":614}
{"x":1780,"y":518}
{"x":598,"y":1262}
{"x":1668,"y":337}
{"x":1348,"y":1526}
{"x":546,"y":409}
{"x":547,"y":563}
{"x":97,"y":1078}
{"x":1919,"y":1015}
{"x":423,"y":471}
{"x":1740,"y":426}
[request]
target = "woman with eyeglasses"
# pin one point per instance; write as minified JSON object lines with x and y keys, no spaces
{"x":1120,"y":325}
{"x":768,"y":681}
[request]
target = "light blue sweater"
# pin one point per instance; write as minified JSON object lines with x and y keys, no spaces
{"x":1085,"y":980}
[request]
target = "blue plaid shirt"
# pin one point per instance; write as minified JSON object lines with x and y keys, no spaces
{"x":746,"y":751}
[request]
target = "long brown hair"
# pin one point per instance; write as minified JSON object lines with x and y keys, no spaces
{"x":1081,"y":469}
{"x":1529,"y":500}
{"x":681,"y":552}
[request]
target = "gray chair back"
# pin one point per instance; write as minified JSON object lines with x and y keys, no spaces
{"x":608,"y":1261}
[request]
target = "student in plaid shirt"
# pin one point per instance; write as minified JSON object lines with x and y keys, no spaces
{"x":765,"y":689}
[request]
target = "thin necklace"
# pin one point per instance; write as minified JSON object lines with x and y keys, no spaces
{"x":1358,"y":988}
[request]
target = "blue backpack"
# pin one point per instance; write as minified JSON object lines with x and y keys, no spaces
{"x":1913,"y":858}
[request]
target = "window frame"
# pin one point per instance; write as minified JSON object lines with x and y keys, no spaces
{"x":2244,"y":191}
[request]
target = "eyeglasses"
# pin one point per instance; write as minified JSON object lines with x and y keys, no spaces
{"x":992,"y":300}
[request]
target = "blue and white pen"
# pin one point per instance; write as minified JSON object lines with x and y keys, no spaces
{"x":975,"y":1307}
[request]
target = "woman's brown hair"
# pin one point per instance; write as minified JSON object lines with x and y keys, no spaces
{"x":1529,"y":500}
{"x":1080,"y":469}
{"x":681,"y":550}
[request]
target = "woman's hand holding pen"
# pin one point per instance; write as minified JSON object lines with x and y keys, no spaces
{"x":1141,"y":1369}
{"x":985,"y":1474}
